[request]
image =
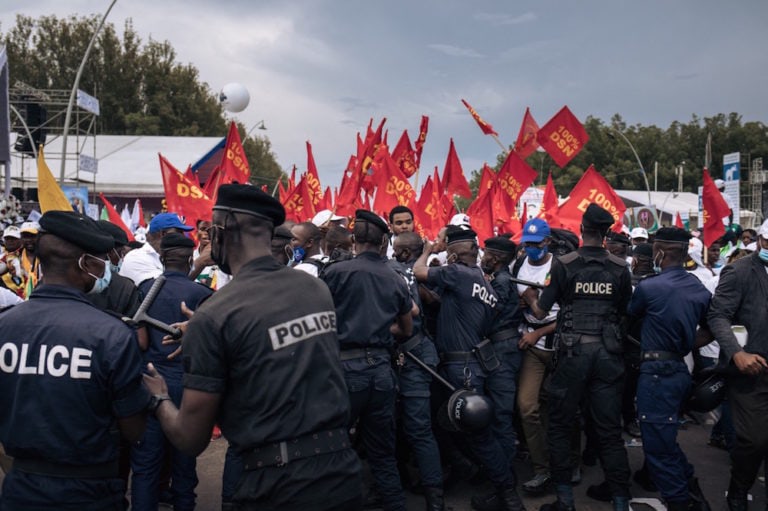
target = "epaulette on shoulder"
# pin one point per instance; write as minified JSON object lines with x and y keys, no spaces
{"x":569,"y":257}
{"x":617,"y":260}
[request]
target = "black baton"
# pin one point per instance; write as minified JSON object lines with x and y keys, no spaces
{"x":431,"y":371}
{"x":141,"y":315}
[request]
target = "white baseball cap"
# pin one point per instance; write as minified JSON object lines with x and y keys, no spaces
{"x":763,"y":231}
{"x":638,"y":232}
{"x":12,"y":232}
{"x":30,"y":227}
{"x":460,"y":219}
{"x":325,"y":216}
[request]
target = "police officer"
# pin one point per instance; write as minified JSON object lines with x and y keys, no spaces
{"x":414,"y":381}
{"x":671,"y":305}
{"x":148,"y":455}
{"x":593,"y":289}
{"x":504,"y":334}
{"x":261,"y":359}
{"x":71,"y":379}
{"x":121,"y":296}
{"x":468,"y":305}
{"x":366,"y":340}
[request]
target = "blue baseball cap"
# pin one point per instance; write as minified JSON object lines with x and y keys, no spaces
{"x":535,"y":230}
{"x":165,"y":221}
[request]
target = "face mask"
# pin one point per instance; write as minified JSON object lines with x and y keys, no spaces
{"x":218,"y":253}
{"x":452,"y":258}
{"x":298,"y":256}
{"x":657,"y":264}
{"x":290,"y":253}
{"x":763,"y":255}
{"x":116,"y":267}
{"x":101,"y":283}
{"x":718,"y":264}
{"x":536,"y":253}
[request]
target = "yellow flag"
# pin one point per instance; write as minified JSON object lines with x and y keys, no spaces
{"x":48,"y":192}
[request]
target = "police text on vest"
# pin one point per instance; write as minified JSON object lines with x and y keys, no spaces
{"x":301,"y":329}
{"x":50,"y":360}
{"x":478,"y":291}
{"x":594,"y":288}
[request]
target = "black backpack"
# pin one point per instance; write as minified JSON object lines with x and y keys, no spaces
{"x":563,"y":242}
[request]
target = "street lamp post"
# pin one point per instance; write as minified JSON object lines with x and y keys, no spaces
{"x":642,"y":169}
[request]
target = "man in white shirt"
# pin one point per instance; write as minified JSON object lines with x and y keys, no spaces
{"x":144,"y":263}
{"x":307,"y":238}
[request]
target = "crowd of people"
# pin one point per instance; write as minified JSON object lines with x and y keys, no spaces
{"x":318,"y":346}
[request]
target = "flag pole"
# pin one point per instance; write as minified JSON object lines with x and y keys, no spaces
{"x":504,"y":149}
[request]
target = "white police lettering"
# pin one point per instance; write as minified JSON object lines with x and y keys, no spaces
{"x":594,"y":288}
{"x":479,"y":291}
{"x":301,"y":329}
{"x":50,"y":361}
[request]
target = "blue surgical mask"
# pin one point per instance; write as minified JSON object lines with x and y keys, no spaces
{"x":298,"y":256}
{"x":101,"y":283}
{"x":763,"y":255}
{"x":657,"y":261}
{"x":536,"y":253}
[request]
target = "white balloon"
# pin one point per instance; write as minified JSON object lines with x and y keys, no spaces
{"x":234,"y":97}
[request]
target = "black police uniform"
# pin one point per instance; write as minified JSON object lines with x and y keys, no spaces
{"x":414,"y":388}
{"x":369,"y":296}
{"x":593,"y":289}
{"x":267,"y":342}
{"x":68,"y":371}
{"x":121,"y":297}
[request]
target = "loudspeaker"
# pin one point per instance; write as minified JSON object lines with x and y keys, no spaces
{"x":35,"y":116}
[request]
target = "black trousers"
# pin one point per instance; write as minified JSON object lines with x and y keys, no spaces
{"x":749,"y":404}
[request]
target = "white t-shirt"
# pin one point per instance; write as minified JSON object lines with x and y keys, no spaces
{"x":310,"y":268}
{"x":711,"y":350}
{"x":8,"y":298}
{"x":141,"y":264}
{"x":539,"y":275}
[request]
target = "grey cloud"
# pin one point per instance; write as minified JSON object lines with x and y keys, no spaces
{"x":505,"y":19}
{"x":455,"y":51}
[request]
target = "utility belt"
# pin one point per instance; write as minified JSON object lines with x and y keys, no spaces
{"x":654,"y":356}
{"x":483,"y":353}
{"x":366,"y":353}
{"x":504,"y":335}
{"x":108,"y":470}
{"x":411,"y":343}
{"x":281,"y":453}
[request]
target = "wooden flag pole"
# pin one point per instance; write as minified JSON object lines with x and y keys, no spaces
{"x":503,"y":148}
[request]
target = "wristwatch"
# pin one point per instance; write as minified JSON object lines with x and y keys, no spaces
{"x":155,"y":400}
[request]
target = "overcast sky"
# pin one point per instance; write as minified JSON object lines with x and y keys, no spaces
{"x":319,"y":70}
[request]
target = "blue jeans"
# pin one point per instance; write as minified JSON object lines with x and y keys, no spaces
{"x":416,"y":413}
{"x":501,"y":389}
{"x":484,"y":443}
{"x":372,"y":395}
{"x":147,"y":458}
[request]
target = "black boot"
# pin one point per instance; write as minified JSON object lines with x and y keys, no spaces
{"x":510,"y":500}
{"x":737,"y":497}
{"x":698,"y":501}
{"x":434,"y":497}
{"x":601,"y":492}
{"x":643,"y":478}
{"x":556,"y":506}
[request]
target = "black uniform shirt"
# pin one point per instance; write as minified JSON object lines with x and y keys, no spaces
{"x":369,"y":296}
{"x":121,"y":297}
{"x":467,"y":307}
{"x":267,"y":342}
{"x":507,"y":315}
{"x":67,"y":370}
{"x":406,"y":271}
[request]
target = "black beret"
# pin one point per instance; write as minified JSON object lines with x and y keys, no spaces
{"x":249,"y":200}
{"x":368,"y":216}
{"x":672,"y":235}
{"x":175,"y":240}
{"x":643,"y":249}
{"x":135,"y":244}
{"x":283,"y":232}
{"x":77,"y":229}
{"x":597,"y":218}
{"x":457,"y":235}
{"x":121,"y":239}
{"x":618,"y":237}
{"x":500,"y":243}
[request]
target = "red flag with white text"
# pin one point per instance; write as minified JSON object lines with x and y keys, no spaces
{"x":591,"y":188}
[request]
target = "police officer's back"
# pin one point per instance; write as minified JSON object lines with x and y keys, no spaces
{"x":71,"y":379}
{"x":121,"y":296}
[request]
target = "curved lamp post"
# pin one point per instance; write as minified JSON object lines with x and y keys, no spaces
{"x":72,"y":96}
{"x":642,"y":169}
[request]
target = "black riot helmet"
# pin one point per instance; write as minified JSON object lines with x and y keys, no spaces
{"x":708,"y":393}
{"x":469,"y":411}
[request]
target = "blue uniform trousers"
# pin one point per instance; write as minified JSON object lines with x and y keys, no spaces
{"x":372,"y":393}
{"x":485,"y":445}
{"x":501,"y":389}
{"x":661,"y":390}
{"x":594,"y":375}
{"x":147,"y":458}
{"x":414,"y":383}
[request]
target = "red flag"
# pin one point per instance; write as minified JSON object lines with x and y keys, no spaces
{"x":404,"y":155}
{"x":591,"y":188}
{"x":115,"y":217}
{"x":514,"y":178}
{"x":453,"y":175}
{"x":549,"y":203}
{"x":192,"y":176}
{"x":526,"y":140}
{"x":419,"y":144}
{"x":428,"y":209}
{"x":313,"y":179}
{"x":282,"y":193}
{"x":234,"y":164}
{"x":392,"y":187}
{"x":326,"y":202}
{"x":714,"y":208}
{"x":436,"y":182}
{"x":298,"y":205}
{"x":562,"y":137}
{"x":524,"y":216}
{"x":487,"y":178}
{"x":484,"y":126}
{"x":679,"y":221}
{"x":481,"y":215}
{"x":292,"y":180}
{"x":183,"y":197}
{"x":217,"y":178}
{"x":264,"y":189}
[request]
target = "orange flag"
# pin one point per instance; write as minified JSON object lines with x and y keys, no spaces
{"x":562,"y":137}
{"x":419,"y":144}
{"x":115,"y":217}
{"x":526,"y":140}
{"x":404,"y":155}
{"x":313,"y":178}
{"x":234,"y":164}
{"x":484,"y":126}
{"x":714,"y":208}
{"x":454,"y":181}
{"x":549,"y":203}
{"x":182,"y":196}
{"x":591,"y":188}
